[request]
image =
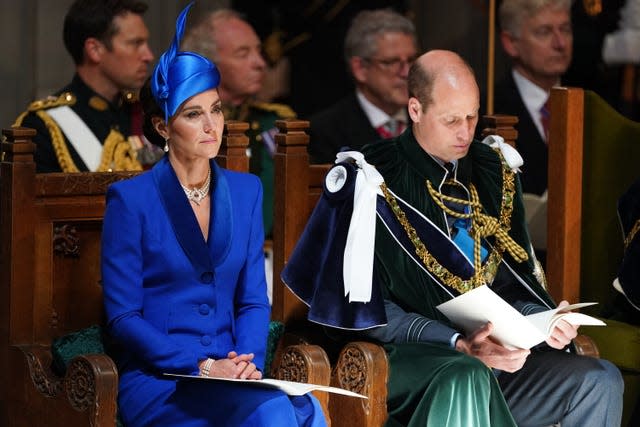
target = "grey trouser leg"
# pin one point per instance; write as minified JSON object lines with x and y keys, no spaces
{"x":556,"y":386}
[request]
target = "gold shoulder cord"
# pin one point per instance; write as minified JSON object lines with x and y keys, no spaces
{"x":632,"y":234}
{"x":482,"y":226}
{"x":118,"y":154}
{"x":60,"y":149}
{"x":59,"y":145}
{"x":66,"y":98}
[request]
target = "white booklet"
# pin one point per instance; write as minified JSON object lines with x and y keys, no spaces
{"x":291,"y":388}
{"x":512,"y":329}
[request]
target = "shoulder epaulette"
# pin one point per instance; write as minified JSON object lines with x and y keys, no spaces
{"x":66,"y":98}
{"x":282,"y":110}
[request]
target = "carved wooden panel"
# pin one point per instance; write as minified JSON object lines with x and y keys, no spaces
{"x":66,"y":241}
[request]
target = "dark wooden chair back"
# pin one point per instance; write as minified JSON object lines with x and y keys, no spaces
{"x":360,"y":366}
{"x":500,"y":124}
{"x":50,"y":227}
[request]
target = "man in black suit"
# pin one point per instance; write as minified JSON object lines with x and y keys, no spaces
{"x":537,"y":36}
{"x":380,"y":46}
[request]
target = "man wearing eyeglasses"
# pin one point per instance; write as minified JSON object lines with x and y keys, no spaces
{"x":380,"y":47}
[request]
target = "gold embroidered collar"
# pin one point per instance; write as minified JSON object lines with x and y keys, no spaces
{"x":483,"y":226}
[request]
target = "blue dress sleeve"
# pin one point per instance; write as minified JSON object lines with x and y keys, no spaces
{"x":122,"y":277}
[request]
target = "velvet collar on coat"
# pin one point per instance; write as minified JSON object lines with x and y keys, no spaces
{"x":426,"y":165}
{"x":204,"y":255}
{"x":481,"y":166}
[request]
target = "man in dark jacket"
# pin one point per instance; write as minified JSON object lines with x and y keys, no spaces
{"x":380,"y":46}
{"x":87,"y":125}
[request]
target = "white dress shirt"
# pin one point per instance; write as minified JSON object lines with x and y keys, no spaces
{"x":534,"y":97}
{"x":376,"y":116}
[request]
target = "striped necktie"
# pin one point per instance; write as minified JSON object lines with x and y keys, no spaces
{"x":391,"y":128}
{"x":545,"y":115}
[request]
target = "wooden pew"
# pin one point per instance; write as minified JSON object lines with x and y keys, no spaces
{"x":50,"y":286}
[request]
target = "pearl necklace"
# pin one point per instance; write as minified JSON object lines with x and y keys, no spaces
{"x":196,"y":195}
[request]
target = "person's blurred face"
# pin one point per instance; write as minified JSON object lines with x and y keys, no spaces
{"x":544,"y":47}
{"x":239,"y":59}
{"x":445,"y":129}
{"x":195,"y":131}
{"x":383,"y":77}
{"x":126,"y":63}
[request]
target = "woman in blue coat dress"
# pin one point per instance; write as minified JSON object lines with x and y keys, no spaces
{"x":183,"y":270}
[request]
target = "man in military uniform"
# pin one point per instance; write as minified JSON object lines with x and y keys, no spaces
{"x":226,"y":38}
{"x":87,"y":125}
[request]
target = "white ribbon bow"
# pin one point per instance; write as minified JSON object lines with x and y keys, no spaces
{"x":510,"y":154}
{"x":358,"y":253}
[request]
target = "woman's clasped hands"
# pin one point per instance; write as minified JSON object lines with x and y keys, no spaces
{"x":234,"y":366}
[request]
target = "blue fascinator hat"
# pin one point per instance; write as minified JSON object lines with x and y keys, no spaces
{"x":180,"y":75}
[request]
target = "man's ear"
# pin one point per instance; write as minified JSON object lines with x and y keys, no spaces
{"x":415,"y":109}
{"x":93,"y":49}
{"x":358,"y":68}
{"x":509,"y":44}
{"x":160,"y":126}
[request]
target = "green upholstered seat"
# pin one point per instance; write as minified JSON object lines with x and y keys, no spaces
{"x":611,"y":164}
{"x":66,"y":347}
{"x":620,"y":343}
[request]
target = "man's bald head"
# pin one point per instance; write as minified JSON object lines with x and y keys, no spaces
{"x":432,"y":66}
{"x":443,"y":104}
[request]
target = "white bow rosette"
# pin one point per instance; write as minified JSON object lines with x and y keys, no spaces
{"x":510,"y":154}
{"x":359,"y":248}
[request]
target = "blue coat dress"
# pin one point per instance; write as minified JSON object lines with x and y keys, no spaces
{"x":173,"y":299}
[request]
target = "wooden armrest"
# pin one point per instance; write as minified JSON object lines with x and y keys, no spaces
{"x":306,"y":363}
{"x":363,"y":368}
{"x":585,"y":346}
{"x":90,"y":383}
{"x":39,"y":361}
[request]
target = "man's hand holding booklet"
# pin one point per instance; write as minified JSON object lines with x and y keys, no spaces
{"x":473,"y":309}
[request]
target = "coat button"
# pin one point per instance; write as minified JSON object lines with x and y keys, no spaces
{"x":206,"y":277}
{"x":204,"y":309}
{"x":206,"y":340}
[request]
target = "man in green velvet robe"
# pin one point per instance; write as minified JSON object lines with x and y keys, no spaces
{"x":438,"y":375}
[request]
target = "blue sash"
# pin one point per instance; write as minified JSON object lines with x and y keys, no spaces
{"x":441,"y":247}
{"x":314,"y":269}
